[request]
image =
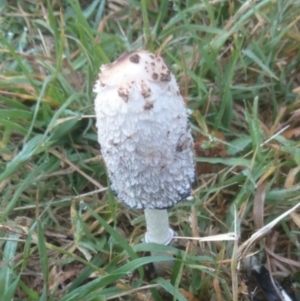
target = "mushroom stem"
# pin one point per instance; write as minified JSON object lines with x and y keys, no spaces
{"x":158,"y":230}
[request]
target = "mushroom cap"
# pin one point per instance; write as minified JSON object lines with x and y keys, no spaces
{"x":144,"y":132}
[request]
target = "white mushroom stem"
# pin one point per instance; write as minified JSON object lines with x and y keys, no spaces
{"x":158,"y":230}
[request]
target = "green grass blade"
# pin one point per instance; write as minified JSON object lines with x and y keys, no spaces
{"x":146,"y":26}
{"x":116,"y":236}
{"x":43,"y":259}
{"x":7,"y":274}
{"x":170,"y":289}
{"x":226,"y":161}
{"x":255,"y":59}
{"x":26,"y":182}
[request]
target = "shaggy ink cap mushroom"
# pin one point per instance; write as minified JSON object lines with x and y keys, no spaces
{"x":143,"y":131}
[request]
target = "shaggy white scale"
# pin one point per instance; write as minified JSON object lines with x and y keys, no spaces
{"x":143,"y":131}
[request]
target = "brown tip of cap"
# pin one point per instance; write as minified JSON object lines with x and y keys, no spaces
{"x":141,"y":64}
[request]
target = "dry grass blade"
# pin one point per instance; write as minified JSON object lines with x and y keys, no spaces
{"x":134,"y":291}
{"x":244,"y":248}
{"x":291,"y":177}
{"x":296,"y":218}
{"x":234,"y":264}
{"x":219,"y":237}
{"x":282,"y":259}
{"x":64,"y":159}
{"x":258,"y":206}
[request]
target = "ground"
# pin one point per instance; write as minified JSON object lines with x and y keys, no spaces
{"x":63,"y":235}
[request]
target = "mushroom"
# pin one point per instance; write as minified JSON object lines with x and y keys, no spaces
{"x":145,"y":138}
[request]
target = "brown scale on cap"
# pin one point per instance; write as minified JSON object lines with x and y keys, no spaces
{"x":145,"y":90}
{"x":123,"y":94}
{"x":134,"y":58}
{"x":155,"y":76}
{"x":181,"y":146}
{"x":165,"y":77}
{"x":111,"y":142}
{"x":148,"y":106}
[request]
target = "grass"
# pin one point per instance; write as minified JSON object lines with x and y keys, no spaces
{"x":63,"y":236}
